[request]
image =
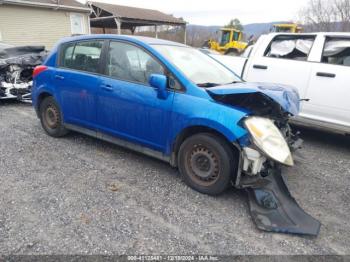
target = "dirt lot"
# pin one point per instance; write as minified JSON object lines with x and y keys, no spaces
{"x":78,"y":195}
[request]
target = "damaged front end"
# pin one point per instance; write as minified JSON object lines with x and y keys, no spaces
{"x":266,"y":149}
{"x":16,"y":69}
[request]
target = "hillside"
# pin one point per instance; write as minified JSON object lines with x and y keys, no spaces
{"x":249,"y":29}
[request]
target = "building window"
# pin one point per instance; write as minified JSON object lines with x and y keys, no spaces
{"x":77,"y":24}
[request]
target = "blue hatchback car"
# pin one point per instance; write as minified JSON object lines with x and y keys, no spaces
{"x":172,"y":102}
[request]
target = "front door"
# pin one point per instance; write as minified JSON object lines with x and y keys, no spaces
{"x":283,"y":62}
{"x":128,"y":106}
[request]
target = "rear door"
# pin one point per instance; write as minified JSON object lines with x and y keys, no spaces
{"x":283,"y":60}
{"x":329,"y":89}
{"x":128,"y":107}
{"x":77,"y":80}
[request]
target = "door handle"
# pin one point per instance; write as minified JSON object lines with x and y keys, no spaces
{"x":59,"y":77}
{"x":108,"y":88}
{"x":322,"y":74}
{"x":264,"y":67}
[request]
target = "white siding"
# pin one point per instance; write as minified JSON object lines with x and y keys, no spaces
{"x":21,"y":25}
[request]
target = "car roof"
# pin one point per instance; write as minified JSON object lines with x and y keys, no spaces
{"x":135,"y":39}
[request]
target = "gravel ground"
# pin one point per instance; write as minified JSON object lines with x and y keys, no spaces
{"x":78,"y":195}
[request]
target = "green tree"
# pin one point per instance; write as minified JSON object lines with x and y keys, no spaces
{"x":236,"y":24}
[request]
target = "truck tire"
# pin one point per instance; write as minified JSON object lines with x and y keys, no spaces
{"x":51,"y":118}
{"x":207,"y":163}
{"x":232,"y":52}
{"x":206,"y":44}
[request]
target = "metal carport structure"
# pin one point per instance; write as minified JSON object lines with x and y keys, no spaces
{"x":124,"y":17}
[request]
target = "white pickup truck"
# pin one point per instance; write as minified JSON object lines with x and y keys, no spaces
{"x":317,"y":64}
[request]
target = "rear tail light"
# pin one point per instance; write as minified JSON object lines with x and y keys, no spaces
{"x":39,"y":69}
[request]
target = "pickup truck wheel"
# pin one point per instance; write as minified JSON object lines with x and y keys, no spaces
{"x":51,"y":118}
{"x":206,"y":163}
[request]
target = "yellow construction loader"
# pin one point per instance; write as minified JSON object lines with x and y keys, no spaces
{"x":287,"y":28}
{"x":231,"y":42}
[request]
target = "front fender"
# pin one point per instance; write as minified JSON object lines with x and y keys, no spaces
{"x":230,"y":135}
{"x":190,"y":111}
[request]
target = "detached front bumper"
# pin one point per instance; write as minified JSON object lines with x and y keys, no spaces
{"x":271,"y":204}
{"x":274,"y":209}
{"x":21,"y":92}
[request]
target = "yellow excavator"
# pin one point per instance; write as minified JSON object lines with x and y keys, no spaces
{"x":231,"y":42}
{"x":287,"y":28}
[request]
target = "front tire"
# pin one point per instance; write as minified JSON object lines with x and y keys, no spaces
{"x":51,"y":118}
{"x":207,"y":163}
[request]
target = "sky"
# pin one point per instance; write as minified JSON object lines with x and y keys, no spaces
{"x":206,"y":12}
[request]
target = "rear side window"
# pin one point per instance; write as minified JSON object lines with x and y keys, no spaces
{"x":337,"y":51}
{"x":131,"y":63}
{"x":82,"y":56}
{"x":290,"y":47}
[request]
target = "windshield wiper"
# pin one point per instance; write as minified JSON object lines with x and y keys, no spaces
{"x":234,"y":82}
{"x":209,"y":84}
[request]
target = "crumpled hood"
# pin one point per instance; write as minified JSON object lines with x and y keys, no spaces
{"x":286,"y":96}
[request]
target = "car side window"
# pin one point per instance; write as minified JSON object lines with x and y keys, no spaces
{"x":290,"y":47}
{"x":83,"y":56}
{"x":66,"y":55}
{"x":336,"y":51}
{"x":130,"y":63}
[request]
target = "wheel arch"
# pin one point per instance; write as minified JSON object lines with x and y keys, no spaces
{"x":232,"y":49}
{"x":40,"y":99}
{"x":197,"y":129}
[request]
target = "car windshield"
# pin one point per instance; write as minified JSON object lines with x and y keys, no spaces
{"x":198,"y":67}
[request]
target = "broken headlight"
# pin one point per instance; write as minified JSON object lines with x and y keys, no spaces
{"x":269,"y":139}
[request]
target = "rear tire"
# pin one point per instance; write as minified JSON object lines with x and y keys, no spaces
{"x":51,"y":118}
{"x":207,"y":163}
